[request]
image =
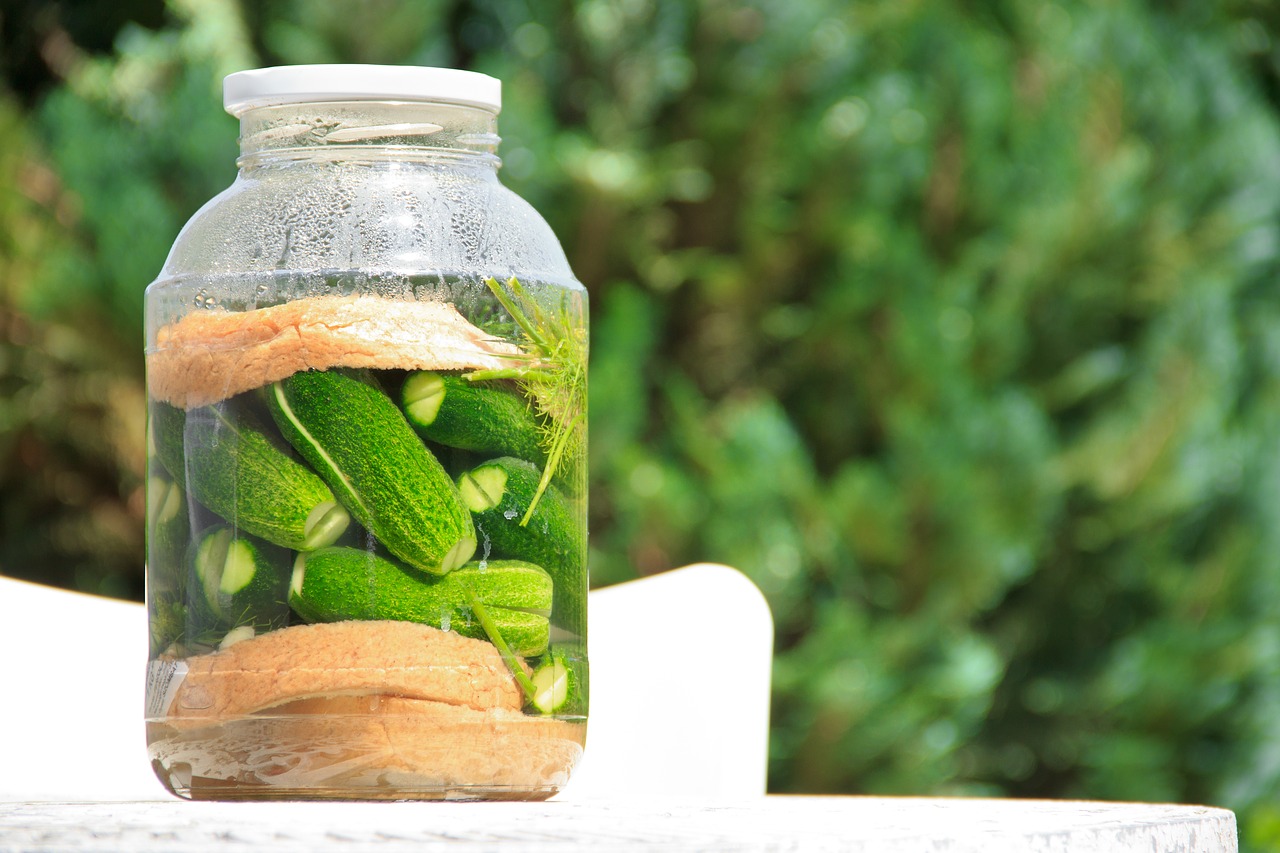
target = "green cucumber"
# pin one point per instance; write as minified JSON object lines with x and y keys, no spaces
{"x":166,"y":429}
{"x":167,"y":525}
{"x":244,"y":581}
{"x":230,"y":464}
{"x":499,"y":493}
{"x":560,"y":684}
{"x":334,"y":584}
{"x":486,"y":417}
{"x":168,"y":532}
{"x":360,"y":443}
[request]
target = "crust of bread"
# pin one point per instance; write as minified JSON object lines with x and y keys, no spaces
{"x":324,"y":660}
{"x":210,"y":355}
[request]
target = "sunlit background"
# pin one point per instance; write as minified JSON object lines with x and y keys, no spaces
{"x":955,"y":325}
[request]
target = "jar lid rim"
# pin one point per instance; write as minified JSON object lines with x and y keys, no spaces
{"x":297,"y":84}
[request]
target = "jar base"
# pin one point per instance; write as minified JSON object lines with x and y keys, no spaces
{"x":364,"y":757}
{"x":203,"y":789}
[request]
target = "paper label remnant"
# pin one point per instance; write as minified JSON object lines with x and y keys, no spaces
{"x":164,"y":677}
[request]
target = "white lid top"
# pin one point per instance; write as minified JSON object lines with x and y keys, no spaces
{"x":296,"y":84}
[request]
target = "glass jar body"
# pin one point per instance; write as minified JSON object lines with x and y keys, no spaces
{"x":366,"y":560}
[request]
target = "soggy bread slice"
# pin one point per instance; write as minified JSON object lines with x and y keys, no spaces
{"x":211,"y":355}
{"x":407,"y":723}
{"x":341,"y":658}
{"x":403,"y":746}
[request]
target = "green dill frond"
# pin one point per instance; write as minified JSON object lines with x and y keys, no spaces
{"x":554,"y":376}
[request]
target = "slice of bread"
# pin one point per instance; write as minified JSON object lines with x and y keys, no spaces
{"x":341,"y":658}
{"x":373,"y":746}
{"x":211,"y":355}
{"x":435,"y":743}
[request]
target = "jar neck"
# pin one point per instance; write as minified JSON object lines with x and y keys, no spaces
{"x":369,"y":131}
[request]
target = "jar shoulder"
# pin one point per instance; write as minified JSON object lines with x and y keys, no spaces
{"x":351,"y":217}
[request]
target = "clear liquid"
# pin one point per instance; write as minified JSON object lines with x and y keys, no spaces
{"x":240,"y":542}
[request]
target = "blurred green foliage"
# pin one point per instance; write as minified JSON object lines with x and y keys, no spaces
{"x":954,"y":325}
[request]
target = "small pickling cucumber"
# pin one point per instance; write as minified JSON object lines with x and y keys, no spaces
{"x":168,"y":534}
{"x":245,"y":582}
{"x":166,"y":426}
{"x":359,"y":442}
{"x":498,"y":493}
{"x":486,"y":417}
{"x":560,"y":683}
{"x":167,"y":525}
{"x":335,"y":584}
{"x":229,"y":463}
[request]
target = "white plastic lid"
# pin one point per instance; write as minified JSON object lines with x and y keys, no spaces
{"x":296,"y":84}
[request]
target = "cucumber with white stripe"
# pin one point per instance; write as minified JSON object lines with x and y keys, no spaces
{"x":359,"y":442}
{"x":228,"y":462}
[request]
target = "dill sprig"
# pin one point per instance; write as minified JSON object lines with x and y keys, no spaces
{"x":553,"y":375}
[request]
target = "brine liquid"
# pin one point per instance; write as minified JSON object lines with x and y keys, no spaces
{"x":230,"y":536}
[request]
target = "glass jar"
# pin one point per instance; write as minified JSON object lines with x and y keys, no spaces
{"x":366,"y":371}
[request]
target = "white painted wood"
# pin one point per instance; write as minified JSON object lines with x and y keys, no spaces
{"x":659,"y":773}
{"x":674,"y":713}
{"x":680,"y":666}
{"x":854,"y":824}
{"x":71,"y":709}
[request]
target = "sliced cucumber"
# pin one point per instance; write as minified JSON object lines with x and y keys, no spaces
{"x":167,"y":527}
{"x":486,"y":417}
{"x":360,"y":443}
{"x":168,"y":534}
{"x":552,"y":682}
{"x":498,"y":493}
{"x":559,"y":681}
{"x":245,"y":582}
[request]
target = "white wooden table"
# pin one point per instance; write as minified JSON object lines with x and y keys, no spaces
{"x":79,"y":691}
{"x":668,"y":776}
{"x":882,"y":825}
